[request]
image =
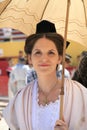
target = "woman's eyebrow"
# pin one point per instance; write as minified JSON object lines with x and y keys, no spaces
{"x":52,"y":50}
{"x":37,"y":49}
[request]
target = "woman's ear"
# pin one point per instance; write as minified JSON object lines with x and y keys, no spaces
{"x":29,"y":59}
{"x":60,"y":59}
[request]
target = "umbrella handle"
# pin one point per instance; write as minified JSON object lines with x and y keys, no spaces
{"x":63,"y":63}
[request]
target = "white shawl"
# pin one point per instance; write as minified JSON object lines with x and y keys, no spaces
{"x":18,"y":112}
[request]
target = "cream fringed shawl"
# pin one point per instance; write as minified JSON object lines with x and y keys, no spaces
{"x":18,"y":112}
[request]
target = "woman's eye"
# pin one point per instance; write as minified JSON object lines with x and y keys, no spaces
{"x":51,"y":53}
{"x":38,"y":53}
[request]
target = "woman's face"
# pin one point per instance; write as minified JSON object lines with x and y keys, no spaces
{"x":44,"y":57}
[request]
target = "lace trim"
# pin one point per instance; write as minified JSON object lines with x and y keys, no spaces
{"x":40,"y":112}
{"x":50,"y":103}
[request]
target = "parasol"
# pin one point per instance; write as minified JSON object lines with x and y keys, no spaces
{"x":69,"y":16}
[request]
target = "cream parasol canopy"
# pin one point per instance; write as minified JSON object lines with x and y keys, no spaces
{"x":25,"y":14}
{"x":69,"y":16}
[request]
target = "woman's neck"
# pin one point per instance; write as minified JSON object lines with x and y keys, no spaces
{"x":49,"y":89}
{"x":47,"y":83}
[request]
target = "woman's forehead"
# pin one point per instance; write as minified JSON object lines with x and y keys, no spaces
{"x":44,"y":42}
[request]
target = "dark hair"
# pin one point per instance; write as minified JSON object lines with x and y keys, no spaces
{"x":84,"y":53}
{"x":81,"y":73}
{"x":20,"y":51}
{"x":82,"y":68}
{"x":56,"y":38}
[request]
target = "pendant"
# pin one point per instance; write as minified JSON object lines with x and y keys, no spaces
{"x":46,"y":101}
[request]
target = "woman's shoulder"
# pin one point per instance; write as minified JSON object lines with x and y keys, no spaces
{"x":72,"y":84}
{"x":24,"y":93}
{"x":28,"y":87}
{"x":22,"y":96}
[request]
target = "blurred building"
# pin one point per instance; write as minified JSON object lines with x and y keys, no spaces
{"x":8,"y":39}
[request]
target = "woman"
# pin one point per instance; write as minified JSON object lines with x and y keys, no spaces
{"x":80,"y":74}
{"x":37,"y":106}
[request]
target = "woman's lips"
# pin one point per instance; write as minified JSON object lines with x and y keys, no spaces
{"x":44,"y":65}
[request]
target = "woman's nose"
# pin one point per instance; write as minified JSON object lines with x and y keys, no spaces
{"x":45,"y":57}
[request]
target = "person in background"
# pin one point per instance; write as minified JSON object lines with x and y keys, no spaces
{"x":20,"y":54}
{"x":0,"y":116}
{"x":18,"y":76}
{"x":66,"y":72}
{"x":84,"y":53}
{"x":80,"y":74}
{"x":9,"y":70}
{"x":67,"y":61}
{"x":37,"y":106}
{"x":67,"y":64}
{"x":10,"y":66}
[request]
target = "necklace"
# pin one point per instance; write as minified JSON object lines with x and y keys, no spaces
{"x":46,"y":95}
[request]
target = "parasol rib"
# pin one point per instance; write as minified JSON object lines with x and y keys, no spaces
{"x":85,"y":12}
{"x":44,"y":10}
{"x":3,"y":5}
